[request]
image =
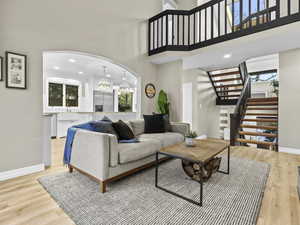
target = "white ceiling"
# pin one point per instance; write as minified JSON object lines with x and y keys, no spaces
{"x":259,"y":44}
{"x":80,"y":66}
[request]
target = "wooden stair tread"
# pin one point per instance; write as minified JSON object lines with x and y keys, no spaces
{"x":261,"y":114}
{"x":261,"y":103}
{"x":256,"y":108}
{"x":272,"y":99}
{"x":225,"y":74}
{"x":229,"y":85}
{"x":255,"y":142}
{"x":226,"y":80}
{"x":261,"y":120}
{"x":257,"y":134}
{"x":235,"y":90}
{"x":259,"y":127}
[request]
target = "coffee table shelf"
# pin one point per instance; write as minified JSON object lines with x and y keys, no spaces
{"x":203,"y":152}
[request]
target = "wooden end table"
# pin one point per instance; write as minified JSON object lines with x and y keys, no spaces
{"x":203,"y":152}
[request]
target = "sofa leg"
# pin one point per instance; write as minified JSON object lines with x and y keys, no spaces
{"x":102,"y":186}
{"x":70,"y":168}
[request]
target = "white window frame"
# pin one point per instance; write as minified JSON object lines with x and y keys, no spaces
{"x":64,"y":82}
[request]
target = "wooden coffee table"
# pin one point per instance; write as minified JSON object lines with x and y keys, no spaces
{"x":203,"y":152}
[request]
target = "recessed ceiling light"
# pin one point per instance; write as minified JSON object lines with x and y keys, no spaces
{"x":56,"y":68}
{"x":227,"y":56}
{"x":123,"y":78}
{"x":108,"y":75}
{"x":72,"y":60}
{"x":80,"y":72}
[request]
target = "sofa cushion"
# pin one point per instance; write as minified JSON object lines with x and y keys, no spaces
{"x":154,"y":123}
{"x":137,"y":126}
{"x":136,"y":151}
{"x":103,"y":126}
{"x":166,"y":139}
{"x":123,"y":130}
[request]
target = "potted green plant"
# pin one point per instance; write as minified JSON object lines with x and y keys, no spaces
{"x":190,"y":138}
{"x":163,"y":104}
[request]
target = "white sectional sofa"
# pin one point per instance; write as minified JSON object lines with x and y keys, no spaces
{"x":100,"y":156}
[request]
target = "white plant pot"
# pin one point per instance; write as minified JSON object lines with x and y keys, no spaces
{"x":189,"y":142}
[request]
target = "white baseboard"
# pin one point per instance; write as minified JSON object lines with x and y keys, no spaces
{"x":21,"y":172}
{"x":289,"y":150}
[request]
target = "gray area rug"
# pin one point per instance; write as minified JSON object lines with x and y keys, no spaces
{"x":228,"y":199}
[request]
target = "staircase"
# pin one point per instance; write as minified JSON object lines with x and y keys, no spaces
{"x":259,"y":124}
{"x":255,"y":120}
{"x":228,"y":84}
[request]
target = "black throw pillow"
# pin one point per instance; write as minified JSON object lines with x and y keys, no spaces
{"x":168,"y":127}
{"x":123,"y":130}
{"x":154,"y":124}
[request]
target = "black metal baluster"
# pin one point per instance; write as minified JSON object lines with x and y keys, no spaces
{"x":173,"y":26}
{"x":278,"y":9}
{"x":289,"y":7}
{"x":232,"y":16}
{"x":241,"y":14}
{"x":258,"y":9}
{"x":268,"y":13}
{"x":250,"y":13}
{"x":219,"y":26}
{"x":153,"y":31}
{"x":225,"y":9}
{"x":212,"y":22}
{"x":199,"y":26}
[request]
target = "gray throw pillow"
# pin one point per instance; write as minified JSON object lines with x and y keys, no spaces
{"x":104,"y":126}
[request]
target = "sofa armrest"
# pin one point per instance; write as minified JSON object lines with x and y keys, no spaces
{"x":94,"y":152}
{"x":182,"y":128}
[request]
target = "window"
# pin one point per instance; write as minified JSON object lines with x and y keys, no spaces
{"x":55,"y":94}
{"x":263,"y":76}
{"x":71,"y":96}
{"x":62,"y":95}
{"x":235,"y":9}
{"x":125,"y":101}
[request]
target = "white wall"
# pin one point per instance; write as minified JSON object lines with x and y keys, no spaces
{"x":203,"y":111}
{"x":170,"y":80}
{"x":289,"y":98}
{"x":115,"y":29}
{"x":269,"y":62}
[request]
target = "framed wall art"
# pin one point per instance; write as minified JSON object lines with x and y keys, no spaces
{"x":150,"y":90}
{"x":16,"y":70}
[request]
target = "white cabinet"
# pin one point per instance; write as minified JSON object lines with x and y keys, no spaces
{"x":67,"y":120}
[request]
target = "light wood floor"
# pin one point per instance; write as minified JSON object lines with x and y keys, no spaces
{"x":24,"y":201}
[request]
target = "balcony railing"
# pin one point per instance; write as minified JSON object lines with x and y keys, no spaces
{"x":217,"y":21}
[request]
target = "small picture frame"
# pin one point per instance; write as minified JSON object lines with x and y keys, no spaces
{"x":16,"y":70}
{"x":1,"y":68}
{"x":150,"y":90}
